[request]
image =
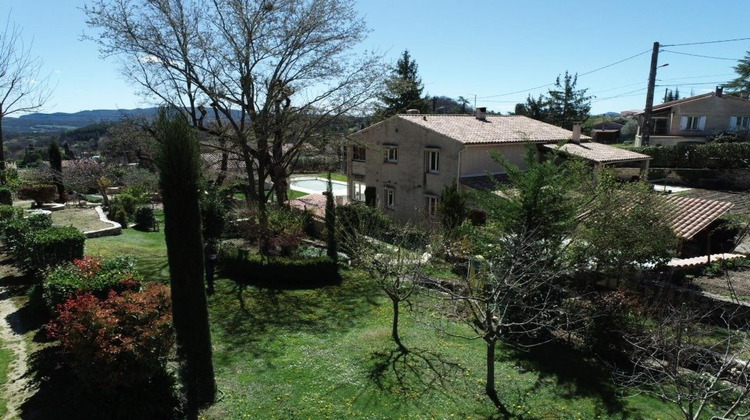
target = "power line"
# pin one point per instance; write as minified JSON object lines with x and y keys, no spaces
{"x":701,"y":56}
{"x":579,"y":75}
{"x":705,"y":42}
{"x":695,"y":77}
{"x":694,"y":84}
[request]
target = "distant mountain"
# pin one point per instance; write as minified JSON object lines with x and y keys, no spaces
{"x":61,"y":121}
{"x":612,"y":114}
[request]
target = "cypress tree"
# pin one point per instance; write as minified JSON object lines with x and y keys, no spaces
{"x":55,"y":163}
{"x":179,"y":172}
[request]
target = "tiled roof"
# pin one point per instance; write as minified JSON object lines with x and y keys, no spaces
{"x":598,"y":152}
{"x":702,"y":260}
{"x":688,"y":215}
{"x":667,"y":105}
{"x":313,"y":202}
{"x":494,"y":129}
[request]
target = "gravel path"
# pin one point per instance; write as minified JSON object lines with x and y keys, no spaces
{"x":17,"y":389}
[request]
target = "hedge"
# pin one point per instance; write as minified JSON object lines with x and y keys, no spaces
{"x":90,"y":274}
{"x":278,"y":273}
{"x":703,"y":156}
{"x":50,"y":246}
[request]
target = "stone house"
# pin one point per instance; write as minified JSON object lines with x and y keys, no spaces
{"x":691,"y":120}
{"x":402,"y":164}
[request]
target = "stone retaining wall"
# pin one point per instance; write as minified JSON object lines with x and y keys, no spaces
{"x":114,"y":229}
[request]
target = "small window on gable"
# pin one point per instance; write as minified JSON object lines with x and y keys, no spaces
{"x":358,"y":153}
{"x":359,"y":191}
{"x":739,"y":123}
{"x":390,"y":198}
{"x":391,"y":154}
{"x":693,"y":122}
{"x":432,"y":158}
{"x":431,"y":205}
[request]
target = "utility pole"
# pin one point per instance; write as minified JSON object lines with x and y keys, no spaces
{"x":647,"y":123}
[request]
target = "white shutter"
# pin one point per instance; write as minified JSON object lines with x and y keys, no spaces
{"x":683,"y":122}
{"x":732,"y":123}
{"x":702,"y":123}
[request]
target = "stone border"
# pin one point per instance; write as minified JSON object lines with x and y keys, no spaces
{"x":114,"y":229}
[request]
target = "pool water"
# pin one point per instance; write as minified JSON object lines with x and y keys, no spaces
{"x":317,"y":186}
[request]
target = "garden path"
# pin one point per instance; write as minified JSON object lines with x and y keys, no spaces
{"x":17,"y":388}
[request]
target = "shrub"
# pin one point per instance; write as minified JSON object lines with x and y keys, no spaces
{"x":92,"y":275}
{"x":710,"y":155}
{"x":118,"y":343}
{"x":42,"y":193}
{"x":6,"y":196}
{"x":279,"y":273}
{"x":145,"y":219}
{"x":49,"y":247}
{"x":611,"y":319}
{"x":285,"y":230}
{"x":213,"y":213}
{"x":14,"y":231}
{"x":8,"y":212}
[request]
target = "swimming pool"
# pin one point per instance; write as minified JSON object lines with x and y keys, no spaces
{"x":314,"y":185}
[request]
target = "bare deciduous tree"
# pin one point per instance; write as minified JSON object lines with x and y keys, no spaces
{"x":264,"y":77}
{"x":685,"y":357}
{"x":22,"y":87}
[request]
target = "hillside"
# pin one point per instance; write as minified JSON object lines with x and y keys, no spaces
{"x":61,"y":121}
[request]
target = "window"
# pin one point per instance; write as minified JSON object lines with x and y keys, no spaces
{"x":433,"y":161}
{"x":391,"y":154}
{"x":358,"y":153}
{"x":739,"y":123}
{"x":359,"y":191}
{"x":390,"y":198}
{"x":431,"y":205}
{"x":693,"y":122}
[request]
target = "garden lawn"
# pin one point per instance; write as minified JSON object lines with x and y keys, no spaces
{"x":148,"y":248}
{"x":83,"y":219}
{"x":6,"y":356}
{"x":327,"y":353}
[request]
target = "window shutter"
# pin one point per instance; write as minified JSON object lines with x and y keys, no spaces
{"x":702,"y":123}
{"x":683,"y":122}
{"x":732,"y":123}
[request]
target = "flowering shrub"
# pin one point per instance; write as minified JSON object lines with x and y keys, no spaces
{"x":119,"y":342}
{"x":90,"y":274}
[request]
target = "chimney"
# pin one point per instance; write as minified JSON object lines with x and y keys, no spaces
{"x":412,"y":111}
{"x":576,"y":133}
{"x":481,"y":113}
{"x":719,"y":91}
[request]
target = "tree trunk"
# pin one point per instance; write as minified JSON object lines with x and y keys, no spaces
{"x":223,"y":170}
{"x":394,"y":328}
{"x":179,"y":173}
{"x":490,"y":385}
{"x":3,"y":177}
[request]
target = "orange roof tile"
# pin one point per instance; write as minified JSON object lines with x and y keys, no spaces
{"x":598,"y":152}
{"x":688,"y":216}
{"x":494,"y":129}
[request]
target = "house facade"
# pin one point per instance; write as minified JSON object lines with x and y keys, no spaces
{"x":693,"y":119}
{"x":402,"y":164}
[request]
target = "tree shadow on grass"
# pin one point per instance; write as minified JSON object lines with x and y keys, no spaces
{"x":411,"y":372}
{"x":246,"y":319}
{"x":571,"y":374}
{"x":61,"y":395}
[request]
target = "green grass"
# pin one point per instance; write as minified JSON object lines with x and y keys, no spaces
{"x":327,"y":353}
{"x":81,"y":219}
{"x":6,"y":356}
{"x":148,"y":248}
{"x":335,"y":176}
{"x":296,"y":194}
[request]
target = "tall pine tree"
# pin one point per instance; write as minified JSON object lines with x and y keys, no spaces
{"x":403,"y":90}
{"x":563,"y":105}
{"x":741,"y":85}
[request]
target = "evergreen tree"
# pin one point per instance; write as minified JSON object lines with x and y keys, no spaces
{"x":562,"y":106}
{"x":179,"y":173}
{"x":403,"y":90}
{"x":676,"y":94}
{"x":741,"y":85}
{"x":566,"y":104}
{"x":55,"y":163}
{"x":330,"y":219}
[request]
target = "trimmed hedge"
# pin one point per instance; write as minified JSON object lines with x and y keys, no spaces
{"x":50,"y":246}
{"x":6,"y":196}
{"x":145,"y":218}
{"x":278,"y":273}
{"x":703,"y":156}
{"x":42,"y":193}
{"x":92,"y":275}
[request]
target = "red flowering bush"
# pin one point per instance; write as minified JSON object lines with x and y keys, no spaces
{"x":119,"y":342}
{"x":90,"y":274}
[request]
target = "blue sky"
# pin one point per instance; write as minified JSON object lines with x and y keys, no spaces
{"x":489,"y":50}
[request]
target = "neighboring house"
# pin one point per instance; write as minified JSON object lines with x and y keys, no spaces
{"x":607,"y":131}
{"x":402,"y":164}
{"x":692,"y":119}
